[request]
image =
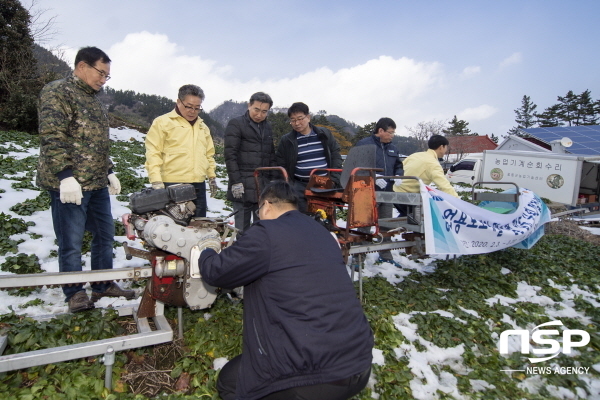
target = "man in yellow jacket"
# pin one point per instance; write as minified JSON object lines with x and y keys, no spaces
{"x":425,"y":165}
{"x":179,"y":148}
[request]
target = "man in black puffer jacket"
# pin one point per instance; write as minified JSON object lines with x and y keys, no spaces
{"x":305,"y":334}
{"x":248,"y":145}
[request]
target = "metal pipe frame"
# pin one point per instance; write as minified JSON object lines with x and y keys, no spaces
{"x":145,"y":337}
{"x":67,"y":278}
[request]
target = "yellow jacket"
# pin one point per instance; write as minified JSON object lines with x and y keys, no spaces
{"x":179,"y":152}
{"x":424,"y":165}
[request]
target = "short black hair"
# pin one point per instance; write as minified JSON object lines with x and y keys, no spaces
{"x":298,"y":108}
{"x":90,"y":55}
{"x":436,"y":141}
{"x":261,"y":97}
{"x":385,"y":123}
{"x":279,"y":192}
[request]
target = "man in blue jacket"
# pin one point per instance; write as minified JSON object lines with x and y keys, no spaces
{"x":386,"y":158}
{"x":305,"y":333}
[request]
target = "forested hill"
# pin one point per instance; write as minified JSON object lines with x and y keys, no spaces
{"x":228,"y":110}
{"x":48,"y":62}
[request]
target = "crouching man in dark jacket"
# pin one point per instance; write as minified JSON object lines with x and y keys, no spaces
{"x":305,"y":333}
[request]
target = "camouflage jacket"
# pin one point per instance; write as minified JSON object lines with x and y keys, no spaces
{"x":74,"y":135}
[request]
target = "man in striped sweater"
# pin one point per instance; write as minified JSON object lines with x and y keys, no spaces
{"x":305,"y":148}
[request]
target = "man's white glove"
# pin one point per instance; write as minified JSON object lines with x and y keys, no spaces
{"x":114,"y":186}
{"x":212,"y":185}
{"x":237,"y":190}
{"x":382,"y":183}
{"x":397,"y":182}
{"x":70,"y":191}
{"x":158,"y":185}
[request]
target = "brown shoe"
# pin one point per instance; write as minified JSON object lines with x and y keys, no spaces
{"x":113,"y":291}
{"x":80,"y":302}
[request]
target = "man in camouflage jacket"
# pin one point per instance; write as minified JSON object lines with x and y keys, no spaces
{"x":74,"y":166}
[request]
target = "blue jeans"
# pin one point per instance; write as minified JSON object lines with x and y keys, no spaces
{"x":70,"y":223}
{"x":200,"y":202}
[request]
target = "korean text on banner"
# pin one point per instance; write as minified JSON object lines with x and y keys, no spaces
{"x":453,"y":226}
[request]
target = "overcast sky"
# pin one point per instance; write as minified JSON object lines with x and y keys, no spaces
{"x":408,"y":60}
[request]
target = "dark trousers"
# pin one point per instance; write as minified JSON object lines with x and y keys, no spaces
{"x":245,"y":213}
{"x":200,"y":201}
{"x":70,"y":222}
{"x":338,"y":390}
{"x":299,"y":187}
{"x":384,"y":210}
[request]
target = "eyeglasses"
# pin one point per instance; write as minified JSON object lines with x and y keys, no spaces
{"x":297,"y":120}
{"x":190,"y":107}
{"x":102,"y":73}
{"x":258,"y":209}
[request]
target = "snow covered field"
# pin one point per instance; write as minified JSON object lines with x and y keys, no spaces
{"x":435,"y":370}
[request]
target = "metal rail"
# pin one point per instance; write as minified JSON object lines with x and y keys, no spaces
{"x":375,"y":247}
{"x":145,"y":337}
{"x":68,"y":278}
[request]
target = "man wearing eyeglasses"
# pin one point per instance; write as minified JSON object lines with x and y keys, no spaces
{"x":305,"y":334}
{"x":74,"y":166}
{"x":248,"y":145}
{"x":305,"y":148}
{"x":179,"y":148}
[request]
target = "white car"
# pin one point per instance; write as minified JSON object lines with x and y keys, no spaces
{"x":467,"y":170}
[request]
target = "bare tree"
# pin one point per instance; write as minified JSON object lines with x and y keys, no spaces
{"x":424,"y":130}
{"x":458,"y":149}
{"x":42,"y":27}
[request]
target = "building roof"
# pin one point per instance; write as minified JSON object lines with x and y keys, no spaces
{"x":586,"y":138}
{"x":514,"y":142}
{"x":470,"y":144}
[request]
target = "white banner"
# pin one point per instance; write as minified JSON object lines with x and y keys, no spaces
{"x":453,"y":226}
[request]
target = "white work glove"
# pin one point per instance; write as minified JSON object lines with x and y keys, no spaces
{"x":382,"y":183}
{"x":397,"y":182}
{"x":158,"y":185}
{"x":114,"y":186}
{"x":70,"y":191}
{"x":237,"y":190}
{"x":212,"y":185}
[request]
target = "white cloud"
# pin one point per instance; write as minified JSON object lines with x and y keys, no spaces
{"x":482,"y":112}
{"x":514,"y":58}
{"x":470,"y":71}
{"x":150,"y":63}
